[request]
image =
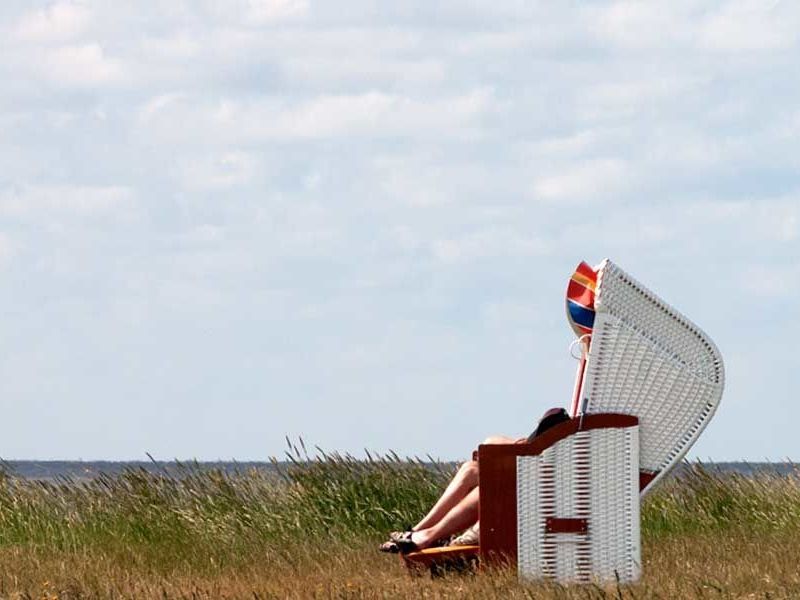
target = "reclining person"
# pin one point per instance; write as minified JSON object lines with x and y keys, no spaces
{"x":457,"y":508}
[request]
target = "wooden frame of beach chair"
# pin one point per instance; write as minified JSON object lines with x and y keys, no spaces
{"x":641,"y":358}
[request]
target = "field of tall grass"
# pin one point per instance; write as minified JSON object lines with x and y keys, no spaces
{"x":311,"y":532}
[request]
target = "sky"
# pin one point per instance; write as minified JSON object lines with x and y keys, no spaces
{"x":226,"y":222}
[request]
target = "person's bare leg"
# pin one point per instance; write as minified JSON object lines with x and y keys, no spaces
{"x":465,"y":480}
{"x":461,"y":516}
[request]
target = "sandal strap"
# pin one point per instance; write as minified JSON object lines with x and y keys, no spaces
{"x":405,"y":543}
{"x":396,"y":535}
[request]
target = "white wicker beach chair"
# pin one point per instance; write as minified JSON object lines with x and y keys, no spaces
{"x":566,"y":505}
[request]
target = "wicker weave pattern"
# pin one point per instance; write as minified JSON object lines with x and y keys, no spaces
{"x":590,"y":475}
{"x":648,"y":360}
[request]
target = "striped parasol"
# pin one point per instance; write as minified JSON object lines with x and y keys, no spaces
{"x":580,"y":299}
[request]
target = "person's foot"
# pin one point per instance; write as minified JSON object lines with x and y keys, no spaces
{"x":423,"y":538}
{"x":410,"y":541}
{"x":391,"y":547}
{"x":396,"y":535}
{"x":399,"y":542}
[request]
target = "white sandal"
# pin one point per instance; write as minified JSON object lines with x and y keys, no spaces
{"x":470,"y":537}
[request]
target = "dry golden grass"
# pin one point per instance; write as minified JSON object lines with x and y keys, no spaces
{"x":696,"y":566}
{"x":211,"y":535}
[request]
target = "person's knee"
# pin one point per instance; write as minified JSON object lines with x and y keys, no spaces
{"x":469,"y":471}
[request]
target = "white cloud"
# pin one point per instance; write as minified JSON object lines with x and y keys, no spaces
{"x":683,"y":147}
{"x":265,"y":11}
{"x":489,"y":243}
{"x":629,"y":95}
{"x":252,"y":13}
{"x":376,"y":114}
{"x":229,"y":169}
{"x":762,"y":232}
{"x":778,"y":220}
{"x":751,"y":25}
{"x":153,"y":106}
{"x":787,"y":228}
{"x":590,"y":181}
{"x":771,"y":281}
{"x":371,"y":114}
{"x":567,"y":146}
{"x":7,"y":250}
{"x":83,"y":65}
{"x":203,"y":235}
{"x":762,"y":220}
{"x":729,"y":25}
{"x":41,"y":201}
{"x":180,"y":46}
{"x":623,"y":233}
{"x":430,"y":180}
{"x":61,"y":21}
{"x":339,"y":71}
{"x":637,"y":25}
{"x":505,"y":313}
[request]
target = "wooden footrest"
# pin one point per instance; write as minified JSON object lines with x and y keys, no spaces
{"x":458,"y":557}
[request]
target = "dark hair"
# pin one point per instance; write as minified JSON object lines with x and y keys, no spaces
{"x":549,"y":419}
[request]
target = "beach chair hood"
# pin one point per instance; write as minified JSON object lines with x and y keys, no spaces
{"x":643,"y":358}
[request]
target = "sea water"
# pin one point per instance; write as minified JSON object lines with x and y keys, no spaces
{"x":82,"y":470}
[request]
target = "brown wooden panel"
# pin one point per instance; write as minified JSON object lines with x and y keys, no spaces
{"x":566,"y":525}
{"x":645,"y":477}
{"x":498,"y":503}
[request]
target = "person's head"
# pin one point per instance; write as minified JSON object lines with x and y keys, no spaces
{"x":549,"y":419}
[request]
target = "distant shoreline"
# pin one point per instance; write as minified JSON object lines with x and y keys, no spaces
{"x":83,"y":470}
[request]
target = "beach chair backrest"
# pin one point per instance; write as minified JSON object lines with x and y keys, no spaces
{"x":646,"y":359}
